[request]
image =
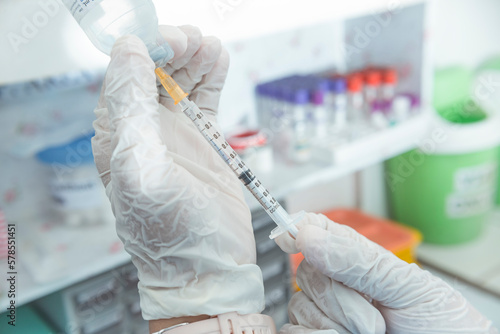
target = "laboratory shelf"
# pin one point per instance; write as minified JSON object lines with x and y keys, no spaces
{"x":351,"y":157}
{"x":89,"y":265}
{"x":29,"y":291}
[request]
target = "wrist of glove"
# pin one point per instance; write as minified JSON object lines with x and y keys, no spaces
{"x":179,"y":210}
{"x":352,"y":285}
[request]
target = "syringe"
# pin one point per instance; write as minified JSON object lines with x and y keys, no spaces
{"x":231,"y":158}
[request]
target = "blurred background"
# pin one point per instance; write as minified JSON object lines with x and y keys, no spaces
{"x":383,"y":115}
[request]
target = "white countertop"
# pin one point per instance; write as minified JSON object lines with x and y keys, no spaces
{"x":476,"y":262}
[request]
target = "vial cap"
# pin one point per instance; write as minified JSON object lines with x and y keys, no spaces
{"x":372,"y":77}
{"x":390,"y":76}
{"x":300,"y":96}
{"x":281,"y":92}
{"x":261,"y":89}
{"x":376,"y":106}
{"x":160,"y":52}
{"x":338,"y":85}
{"x":78,"y":151}
{"x":246,"y":139}
{"x":380,"y":106}
{"x":317,"y":97}
{"x":322,"y":84}
{"x":354,"y":83}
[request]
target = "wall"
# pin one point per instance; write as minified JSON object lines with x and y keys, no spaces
{"x":306,"y":50}
{"x":465,"y":31}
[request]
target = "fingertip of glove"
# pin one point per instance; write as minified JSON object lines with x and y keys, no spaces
{"x":129,"y":44}
{"x":286,"y":243}
{"x":130,"y":65}
{"x":223,"y":62}
{"x":289,"y":244}
{"x":130,"y":51}
{"x":211,"y":47}
{"x":224,"y":57}
{"x":193,"y":33}
{"x":176,"y":38}
{"x":212,"y":41}
{"x":310,"y":237}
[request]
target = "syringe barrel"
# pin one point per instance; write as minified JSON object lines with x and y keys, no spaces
{"x":213,"y":136}
{"x":272,"y":207}
{"x":244,"y":174}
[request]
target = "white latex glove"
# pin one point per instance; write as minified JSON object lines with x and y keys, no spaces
{"x":352,"y":285}
{"x":179,"y":210}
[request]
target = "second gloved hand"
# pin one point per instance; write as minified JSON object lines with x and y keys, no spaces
{"x":352,"y":285}
{"x":179,"y":210}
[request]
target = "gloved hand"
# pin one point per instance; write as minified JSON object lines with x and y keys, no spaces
{"x":179,"y":210}
{"x":352,"y":285}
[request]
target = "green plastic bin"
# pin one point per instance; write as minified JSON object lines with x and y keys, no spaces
{"x":446,"y":188}
{"x":431,"y":197}
{"x":486,"y":87}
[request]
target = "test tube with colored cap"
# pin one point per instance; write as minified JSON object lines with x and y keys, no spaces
{"x":338,"y":104}
{"x":389,"y":81}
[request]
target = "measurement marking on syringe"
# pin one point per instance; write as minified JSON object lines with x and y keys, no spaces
{"x":228,"y":154}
